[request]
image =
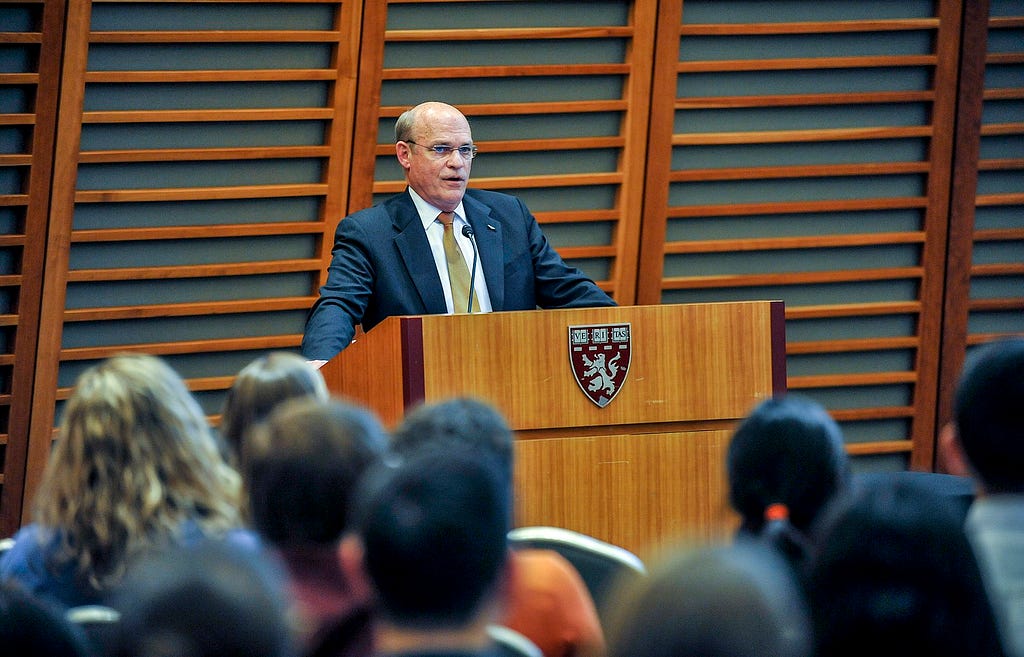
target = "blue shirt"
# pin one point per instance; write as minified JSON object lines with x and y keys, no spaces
{"x":27,"y":564}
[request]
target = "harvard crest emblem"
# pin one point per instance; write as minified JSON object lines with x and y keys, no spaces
{"x":599,"y":356}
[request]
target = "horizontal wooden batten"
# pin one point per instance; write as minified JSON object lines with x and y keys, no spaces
{"x":1001,"y":164}
{"x":17,"y":119}
{"x":19,"y":79}
{"x":15,"y":160}
{"x":799,"y":136}
{"x":989,"y":200}
{"x":21,"y":37}
{"x":879,"y":447}
{"x":795,"y":207}
{"x":535,"y":70}
{"x":998,"y":129}
{"x":852,"y":345}
{"x":525,"y":108}
{"x":509,"y":34}
{"x":801,"y":171}
{"x":850,"y":380}
{"x":202,"y":154}
{"x":996,"y":305}
{"x":13,"y":200}
{"x":577,"y":216}
{"x":794,"y":278}
{"x":189,"y":309}
{"x":999,"y":235}
{"x":200,"y":193}
{"x":998,"y":269}
{"x":805,"y":63}
{"x":873,"y":413}
{"x":871,"y":309}
{"x":196,"y":232}
{"x":808,"y":27}
{"x":219,"y":76}
{"x":208,"y":115}
{"x":193,"y":271}
{"x":215,"y":36}
{"x":801,"y":242}
{"x":799,"y":100}
{"x":260,"y":343}
{"x":1003,"y":93}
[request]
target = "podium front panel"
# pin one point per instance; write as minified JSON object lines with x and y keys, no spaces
{"x":687,"y":363}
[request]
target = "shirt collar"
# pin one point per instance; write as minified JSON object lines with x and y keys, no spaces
{"x":428,"y":213}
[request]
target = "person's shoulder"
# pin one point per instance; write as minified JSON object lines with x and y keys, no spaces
{"x":379,"y":217}
{"x":26,"y":541}
{"x":491,"y":198}
{"x":371,"y":214}
{"x":543,"y":565}
{"x":25,"y":563}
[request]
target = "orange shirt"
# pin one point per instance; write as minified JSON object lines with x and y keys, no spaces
{"x":549,"y":603}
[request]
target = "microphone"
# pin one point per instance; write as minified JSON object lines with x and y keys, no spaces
{"x":467,"y":231}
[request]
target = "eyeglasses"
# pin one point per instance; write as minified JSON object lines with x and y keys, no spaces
{"x":442,"y":152}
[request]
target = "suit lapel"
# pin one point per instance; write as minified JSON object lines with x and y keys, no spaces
{"x":489,"y":242}
{"x":412,"y":245}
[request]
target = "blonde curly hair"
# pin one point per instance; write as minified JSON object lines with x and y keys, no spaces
{"x":134,"y":462}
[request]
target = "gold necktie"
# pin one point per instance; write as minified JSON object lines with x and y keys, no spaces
{"x":458,"y":272}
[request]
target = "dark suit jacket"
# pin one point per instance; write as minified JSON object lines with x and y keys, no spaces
{"x":382,"y":266}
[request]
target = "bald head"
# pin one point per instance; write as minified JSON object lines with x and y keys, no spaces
{"x":439,"y":179}
{"x":429,"y":112}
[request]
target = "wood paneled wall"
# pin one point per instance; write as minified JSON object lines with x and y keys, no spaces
{"x":171,"y":175}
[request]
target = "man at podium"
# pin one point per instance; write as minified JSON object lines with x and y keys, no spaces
{"x":438,"y":247}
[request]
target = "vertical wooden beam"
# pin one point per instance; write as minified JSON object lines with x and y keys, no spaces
{"x":368,"y":95}
{"x":58,"y":243}
{"x":638,"y":94}
{"x":935,"y":225}
{"x":659,"y":153}
{"x":341,"y":134}
{"x":967,"y":140}
{"x":32,"y":261}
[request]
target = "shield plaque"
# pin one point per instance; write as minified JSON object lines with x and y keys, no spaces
{"x":599,"y":355}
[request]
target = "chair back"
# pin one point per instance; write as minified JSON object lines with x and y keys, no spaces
{"x":603,"y":566}
{"x":101,"y":625}
{"x":511,"y":643}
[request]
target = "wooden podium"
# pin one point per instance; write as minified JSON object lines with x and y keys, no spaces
{"x":645,"y":469}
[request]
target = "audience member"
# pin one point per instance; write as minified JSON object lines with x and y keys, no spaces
{"x":988,"y":429}
{"x":32,"y":628}
{"x":302,"y":466}
{"x":261,"y":385}
{"x":895,"y":576}
{"x":739,"y":600}
{"x":135,"y":466}
{"x":208,"y":600}
{"x":433,"y":532}
{"x":785,"y":462}
{"x":548,"y":601}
